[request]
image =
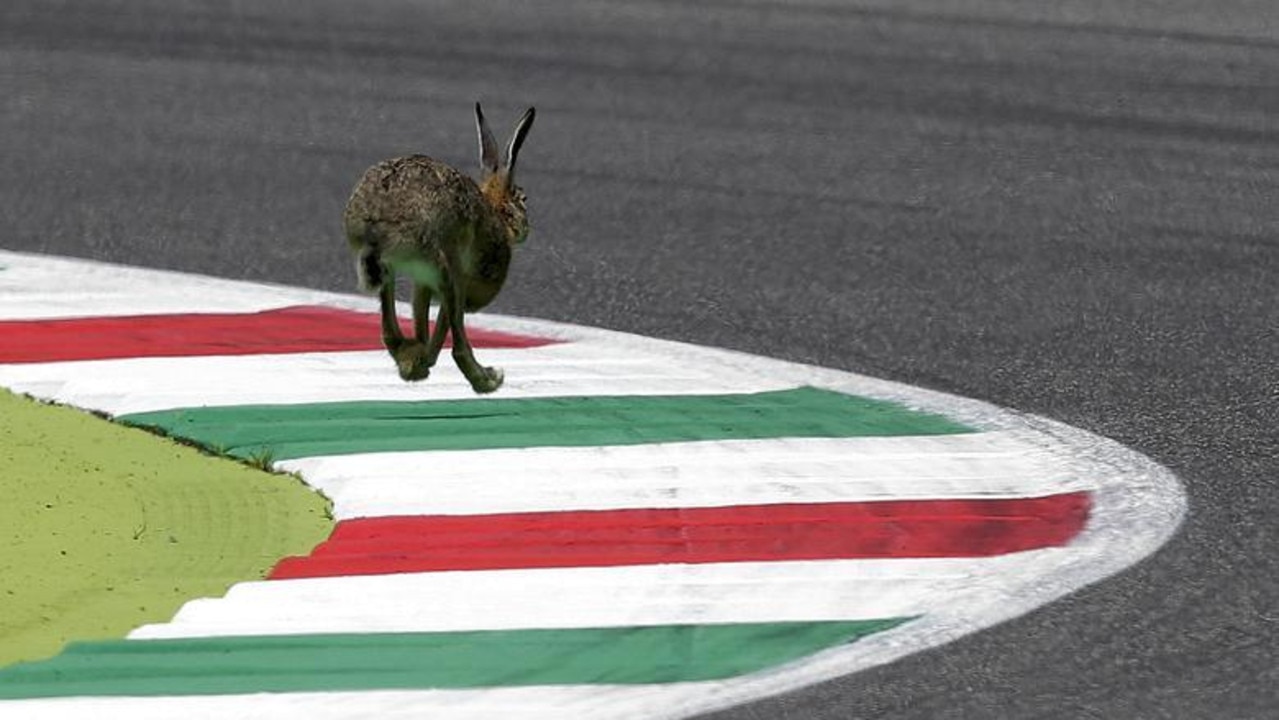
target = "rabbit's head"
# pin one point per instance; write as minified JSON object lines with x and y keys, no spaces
{"x":498,"y":176}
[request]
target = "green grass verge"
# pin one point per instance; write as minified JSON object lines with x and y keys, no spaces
{"x":104,"y":528}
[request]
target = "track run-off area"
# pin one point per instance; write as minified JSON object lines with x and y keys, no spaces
{"x":628,"y":528}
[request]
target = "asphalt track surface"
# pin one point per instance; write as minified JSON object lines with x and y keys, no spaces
{"x":1067,"y":208}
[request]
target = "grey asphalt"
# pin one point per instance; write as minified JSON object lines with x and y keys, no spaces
{"x":1067,"y":208}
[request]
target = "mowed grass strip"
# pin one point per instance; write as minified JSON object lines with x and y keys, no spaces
{"x":105,"y":527}
{"x":340,"y":428}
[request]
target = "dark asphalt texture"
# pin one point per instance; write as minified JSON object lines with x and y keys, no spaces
{"x":1068,"y":209}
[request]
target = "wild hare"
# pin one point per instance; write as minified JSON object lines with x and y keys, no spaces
{"x":453,"y":238}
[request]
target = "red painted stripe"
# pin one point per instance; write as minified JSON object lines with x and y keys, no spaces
{"x":820,"y":531}
{"x":284,"y":330}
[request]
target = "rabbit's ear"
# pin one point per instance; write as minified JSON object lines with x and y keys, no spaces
{"x":488,"y":146}
{"x":513,"y":150}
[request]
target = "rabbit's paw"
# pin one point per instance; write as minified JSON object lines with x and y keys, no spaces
{"x":487,"y":380}
{"x":412,"y":362}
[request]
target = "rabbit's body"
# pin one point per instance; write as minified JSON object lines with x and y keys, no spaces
{"x":451,"y":236}
{"x":411,"y":213}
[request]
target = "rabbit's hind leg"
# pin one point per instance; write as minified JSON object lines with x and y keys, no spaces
{"x":368,"y":268}
{"x":421,"y":315}
{"x":408,"y":354}
{"x":392,"y":336}
{"x":482,"y":379}
{"x":421,"y":311}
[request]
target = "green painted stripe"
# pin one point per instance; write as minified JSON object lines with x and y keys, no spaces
{"x":290,"y":431}
{"x":300,"y":663}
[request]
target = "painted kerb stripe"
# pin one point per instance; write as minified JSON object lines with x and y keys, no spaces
{"x":276,"y":331}
{"x":595,"y":597}
{"x":777,"y":471}
{"x":299,"y":663}
{"x":816,"y":531}
{"x":854,"y":613}
{"x":293,"y":431}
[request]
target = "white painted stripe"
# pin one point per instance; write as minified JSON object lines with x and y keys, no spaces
{"x":125,"y":386}
{"x":1002,"y":464}
{"x":593,"y":597}
{"x":41,"y":287}
{"x":602,"y":702}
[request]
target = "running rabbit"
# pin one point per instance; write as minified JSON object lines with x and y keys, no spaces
{"x":452,"y":237}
